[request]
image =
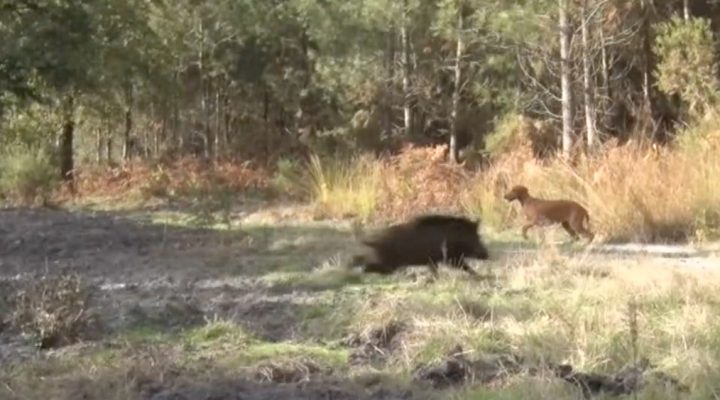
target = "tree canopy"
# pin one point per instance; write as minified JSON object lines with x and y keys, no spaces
{"x":264,"y":78}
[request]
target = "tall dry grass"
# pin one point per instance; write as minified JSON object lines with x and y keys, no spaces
{"x":636,"y":191}
{"x":633,"y":192}
{"x":367,"y":187}
{"x":343,"y":188}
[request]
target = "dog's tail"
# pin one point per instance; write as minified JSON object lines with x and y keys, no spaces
{"x":587,"y":220}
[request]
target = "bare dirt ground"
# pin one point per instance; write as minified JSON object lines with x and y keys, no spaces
{"x":179,"y":277}
{"x":141,"y":266}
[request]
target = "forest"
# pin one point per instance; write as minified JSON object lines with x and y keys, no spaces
{"x":183,"y":184}
{"x":96,"y":86}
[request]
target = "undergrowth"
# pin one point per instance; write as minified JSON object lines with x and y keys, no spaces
{"x":53,"y":310}
{"x":185,"y":179}
{"x":27,"y":175}
{"x":636,"y":191}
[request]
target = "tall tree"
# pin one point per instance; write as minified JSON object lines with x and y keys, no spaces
{"x":406,"y":67}
{"x":588,"y":87}
{"x":565,"y":78}
{"x":646,"y":32}
{"x":457,"y":87}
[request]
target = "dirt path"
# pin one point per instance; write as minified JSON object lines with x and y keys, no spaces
{"x":111,"y":247}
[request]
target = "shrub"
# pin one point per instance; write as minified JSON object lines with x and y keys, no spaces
{"x":29,"y":126}
{"x":53,"y":309}
{"x":517,"y":132}
{"x":27,"y":175}
{"x":288,"y":178}
{"x":687,"y":66}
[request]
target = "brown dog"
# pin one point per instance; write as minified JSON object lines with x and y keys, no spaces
{"x":539,"y":212}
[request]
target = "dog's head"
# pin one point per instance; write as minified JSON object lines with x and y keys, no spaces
{"x":518,"y":192}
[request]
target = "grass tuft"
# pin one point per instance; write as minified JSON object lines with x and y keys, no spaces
{"x":350,"y":188}
{"x":54,"y":310}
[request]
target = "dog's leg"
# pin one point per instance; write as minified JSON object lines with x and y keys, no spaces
{"x":583,"y":231}
{"x":433,"y":266}
{"x":525,"y":229}
{"x":586,"y":220}
{"x":589,"y":235}
{"x":570,"y":231}
{"x":578,"y":226}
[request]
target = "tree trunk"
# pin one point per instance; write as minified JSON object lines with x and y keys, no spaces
{"x":98,"y":146}
{"x":266,"y":118}
{"x":305,"y":115}
{"x":204,"y":89}
{"x":108,"y":147}
{"x":565,"y":80}
{"x":587,"y":80}
{"x":217,"y":122}
{"x":605,"y":66}
{"x":390,"y":69}
{"x":146,"y":141}
{"x":406,"y":70}
{"x":176,"y":133}
{"x":108,"y":144}
{"x":686,"y":9}
{"x":160,"y":135}
{"x":647,"y":58}
{"x":127,"y":143}
{"x":66,"y":141}
{"x":205,"y":119}
{"x":453,"y":146}
{"x":227,"y":119}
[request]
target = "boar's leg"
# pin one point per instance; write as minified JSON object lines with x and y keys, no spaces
{"x":432,"y":265}
{"x":463,"y":266}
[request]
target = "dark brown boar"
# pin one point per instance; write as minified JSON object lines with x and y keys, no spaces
{"x":424,"y":240}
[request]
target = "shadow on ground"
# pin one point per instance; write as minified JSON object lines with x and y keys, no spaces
{"x":115,"y":247}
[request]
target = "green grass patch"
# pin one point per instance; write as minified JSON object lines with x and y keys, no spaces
{"x":229,"y":345}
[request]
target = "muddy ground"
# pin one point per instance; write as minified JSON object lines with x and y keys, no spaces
{"x":180,"y":277}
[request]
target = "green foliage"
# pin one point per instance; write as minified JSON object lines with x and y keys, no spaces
{"x":288,"y":177}
{"x":54,"y":41}
{"x":27,"y":174}
{"x":707,"y":224}
{"x":258,"y":71}
{"x":700,"y":137}
{"x":507,"y":136}
{"x":698,"y":144}
{"x":514,"y":132}
{"x":687,"y":64}
{"x":31,"y":126}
